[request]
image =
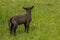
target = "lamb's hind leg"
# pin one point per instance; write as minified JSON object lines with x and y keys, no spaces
{"x":15,"y":27}
{"x":11,"y":28}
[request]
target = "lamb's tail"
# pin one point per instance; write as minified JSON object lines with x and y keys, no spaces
{"x":9,"y":23}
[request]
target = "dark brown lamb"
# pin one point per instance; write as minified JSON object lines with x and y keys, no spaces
{"x":20,"y":19}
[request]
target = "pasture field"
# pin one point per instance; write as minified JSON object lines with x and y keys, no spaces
{"x":45,"y":24}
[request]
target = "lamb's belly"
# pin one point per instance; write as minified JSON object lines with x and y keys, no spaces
{"x":20,"y":22}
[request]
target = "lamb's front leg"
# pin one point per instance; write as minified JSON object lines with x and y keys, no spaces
{"x":27,"y":27}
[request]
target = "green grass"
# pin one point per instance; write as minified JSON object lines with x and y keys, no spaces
{"x":45,"y":24}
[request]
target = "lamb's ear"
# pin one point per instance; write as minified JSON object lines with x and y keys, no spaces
{"x":32,"y":7}
{"x":24,"y":8}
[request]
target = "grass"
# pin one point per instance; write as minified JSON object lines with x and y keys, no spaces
{"x":45,"y":23}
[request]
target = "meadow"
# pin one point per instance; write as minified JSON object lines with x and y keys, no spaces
{"x":45,"y":24}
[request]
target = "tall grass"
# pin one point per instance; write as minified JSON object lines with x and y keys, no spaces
{"x":45,"y":23}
